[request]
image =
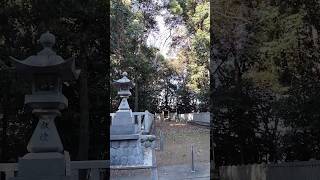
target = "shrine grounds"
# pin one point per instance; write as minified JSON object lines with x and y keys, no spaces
{"x":174,"y":161}
{"x":178,"y":140}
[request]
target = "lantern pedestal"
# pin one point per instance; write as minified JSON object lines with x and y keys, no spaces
{"x":44,"y":166}
{"x":123,"y":122}
{"x":46,"y":160}
{"x":45,"y":137}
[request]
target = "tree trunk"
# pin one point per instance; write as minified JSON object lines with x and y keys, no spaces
{"x":4,"y":134}
{"x":315,"y":36}
{"x":5,"y":106}
{"x":167,"y":96}
{"x":83,"y":150}
{"x":136,"y":97}
{"x":241,"y":154}
{"x":84,"y":113}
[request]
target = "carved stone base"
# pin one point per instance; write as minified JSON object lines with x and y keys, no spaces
{"x":42,"y":166}
{"x":45,"y":137}
{"x":126,"y":152}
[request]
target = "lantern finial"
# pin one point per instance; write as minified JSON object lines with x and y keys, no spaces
{"x":47,"y":39}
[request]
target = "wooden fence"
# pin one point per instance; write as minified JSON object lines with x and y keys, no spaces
{"x":303,"y":170}
{"x":95,"y":169}
{"x":300,"y":170}
{"x":243,"y":172}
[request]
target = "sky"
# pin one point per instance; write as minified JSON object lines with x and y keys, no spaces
{"x":162,"y":39}
{"x":158,"y":39}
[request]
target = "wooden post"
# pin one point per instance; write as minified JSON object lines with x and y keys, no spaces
{"x":161,"y":141}
{"x":146,"y":119}
{"x":192,"y":160}
{"x":68,"y":165}
{"x":94,"y":174}
{"x":154,"y":170}
{"x":75,"y":174}
{"x":9,"y":174}
{"x":139,"y":123}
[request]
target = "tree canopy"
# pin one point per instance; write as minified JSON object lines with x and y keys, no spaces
{"x":265,"y":99}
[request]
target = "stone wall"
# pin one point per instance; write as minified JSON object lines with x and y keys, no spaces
{"x":126,"y":152}
{"x":186,"y":117}
{"x":197,"y":117}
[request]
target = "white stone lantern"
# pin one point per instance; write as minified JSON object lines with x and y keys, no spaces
{"x":124,"y":85}
{"x":124,"y":133}
{"x":123,"y":121}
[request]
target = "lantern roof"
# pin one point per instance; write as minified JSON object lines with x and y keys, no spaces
{"x":124,"y":81}
{"x":47,"y":61}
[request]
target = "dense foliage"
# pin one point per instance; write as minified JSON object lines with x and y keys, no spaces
{"x":265,"y":73}
{"x":180,"y":84}
{"x":194,"y":46}
{"x":80,"y":29}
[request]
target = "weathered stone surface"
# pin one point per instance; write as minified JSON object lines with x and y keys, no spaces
{"x":124,"y":159}
{"x":123,"y":117}
{"x":126,"y":147}
{"x":130,"y":149}
{"x":45,"y":138}
{"x":115,"y":144}
{"x":41,"y":167}
{"x":147,"y":144}
{"x":132,"y":144}
{"x":124,"y":137}
{"x":124,"y":144}
{"x":122,"y":129}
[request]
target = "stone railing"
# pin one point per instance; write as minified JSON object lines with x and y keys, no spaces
{"x":94,"y":169}
{"x":9,"y":169}
{"x":143,"y":119}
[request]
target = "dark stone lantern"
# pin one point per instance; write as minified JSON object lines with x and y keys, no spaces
{"x":46,"y":71}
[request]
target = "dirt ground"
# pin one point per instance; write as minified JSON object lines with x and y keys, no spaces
{"x":178,"y":139}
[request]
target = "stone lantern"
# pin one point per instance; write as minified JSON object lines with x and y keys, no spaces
{"x":124,"y":85}
{"x":46,"y":71}
{"x":123,"y":121}
{"x":125,"y":142}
